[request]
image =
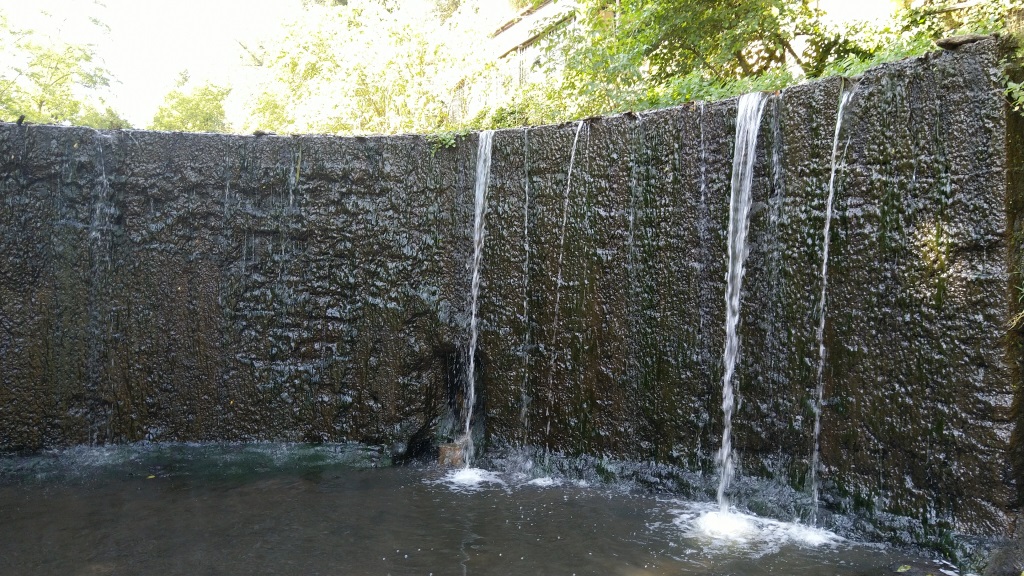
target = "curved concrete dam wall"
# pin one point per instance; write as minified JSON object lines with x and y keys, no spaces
{"x":192,"y":287}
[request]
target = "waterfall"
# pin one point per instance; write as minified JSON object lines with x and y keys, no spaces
{"x":820,"y":392}
{"x":558,"y":282}
{"x":483,"y":173}
{"x":525,"y":396}
{"x":775,"y":341}
{"x":748,"y":121}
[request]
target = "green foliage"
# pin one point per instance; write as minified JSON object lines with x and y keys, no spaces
{"x":369,"y":67}
{"x":1015,"y":93}
{"x":524,"y":4}
{"x":442,"y":140}
{"x":200,"y":109}
{"x":106,"y":119}
{"x":646,"y":53}
{"x":428,"y":66}
{"x":913,"y":32}
{"x":49,"y":81}
{"x":638,"y":54}
{"x":697,"y":86}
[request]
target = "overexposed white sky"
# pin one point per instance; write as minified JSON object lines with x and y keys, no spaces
{"x":857,"y":10}
{"x":150,"y":42}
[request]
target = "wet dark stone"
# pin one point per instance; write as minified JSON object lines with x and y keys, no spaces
{"x":954,"y":42}
{"x":1007,"y":561}
{"x":189,"y":287}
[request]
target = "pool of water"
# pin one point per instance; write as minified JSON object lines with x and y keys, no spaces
{"x":288,"y":510}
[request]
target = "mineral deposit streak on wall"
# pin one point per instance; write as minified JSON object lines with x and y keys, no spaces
{"x":192,"y":287}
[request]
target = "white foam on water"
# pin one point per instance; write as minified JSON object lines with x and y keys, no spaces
{"x":471,"y":479}
{"x":545,"y":482}
{"x":725,"y":526}
{"x":747,"y":533}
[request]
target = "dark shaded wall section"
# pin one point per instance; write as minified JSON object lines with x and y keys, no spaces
{"x":199,"y":287}
{"x":204,"y":287}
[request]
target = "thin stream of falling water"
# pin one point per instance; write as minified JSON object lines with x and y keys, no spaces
{"x":773,"y":261}
{"x":704,"y":236}
{"x":294,"y":175}
{"x":558,"y":282}
{"x":630,"y":237}
{"x":748,"y":122}
{"x":820,"y":391}
{"x":637,"y":163}
{"x":525,"y":397}
{"x":706,"y":325}
{"x":703,"y":158}
{"x":100,"y":250}
{"x":483,"y":173}
{"x":775,"y":208}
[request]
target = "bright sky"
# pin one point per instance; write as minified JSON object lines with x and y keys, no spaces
{"x":151,"y":41}
{"x":853,"y":10}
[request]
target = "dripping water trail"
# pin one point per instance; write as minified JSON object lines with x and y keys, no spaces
{"x":707,"y":257}
{"x":820,"y":391}
{"x":748,"y":122}
{"x":636,"y":159}
{"x":773,"y":343}
{"x":525,"y":396}
{"x":558,"y":282}
{"x":483,"y":172}
{"x":100,"y":253}
{"x":704,"y":255}
{"x":703,"y":158}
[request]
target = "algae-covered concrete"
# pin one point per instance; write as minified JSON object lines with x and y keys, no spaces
{"x":158,"y":286}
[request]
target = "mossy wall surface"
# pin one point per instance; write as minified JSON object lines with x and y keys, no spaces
{"x":158,"y":286}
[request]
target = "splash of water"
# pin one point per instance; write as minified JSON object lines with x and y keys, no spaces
{"x":471,"y":480}
{"x":820,"y":391}
{"x":742,"y":532}
{"x":483,"y":174}
{"x":748,"y":122}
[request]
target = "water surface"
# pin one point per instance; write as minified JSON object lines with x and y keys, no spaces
{"x":300,"y":510}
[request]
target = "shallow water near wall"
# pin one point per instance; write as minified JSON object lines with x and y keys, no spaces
{"x":293,"y":509}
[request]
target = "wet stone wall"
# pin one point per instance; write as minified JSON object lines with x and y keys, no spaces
{"x":189,"y":287}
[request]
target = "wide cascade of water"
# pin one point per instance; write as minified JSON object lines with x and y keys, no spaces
{"x":483,"y":174}
{"x":748,"y":122}
{"x":820,"y":392}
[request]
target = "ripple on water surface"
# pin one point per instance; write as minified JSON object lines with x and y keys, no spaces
{"x":295,"y":510}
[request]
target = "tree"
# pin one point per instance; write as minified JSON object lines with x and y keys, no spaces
{"x":200,"y":109}
{"x":51,"y":82}
{"x":369,"y":66}
{"x":638,"y":54}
